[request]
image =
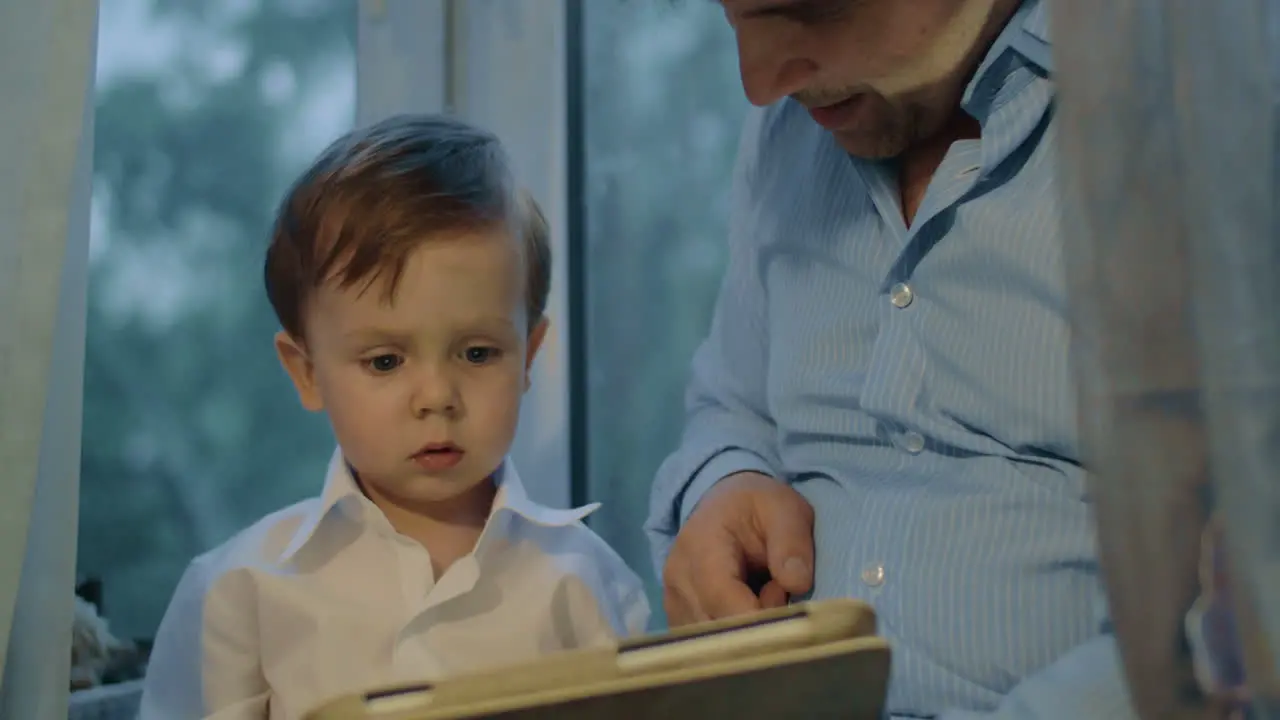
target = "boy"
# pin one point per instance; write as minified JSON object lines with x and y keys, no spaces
{"x":410,"y":285}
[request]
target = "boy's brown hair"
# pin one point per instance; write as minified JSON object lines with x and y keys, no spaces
{"x":376,"y":193}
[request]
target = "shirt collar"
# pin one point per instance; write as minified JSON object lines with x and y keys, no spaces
{"x":1035,"y":40}
{"x":1027,"y":36}
{"x":340,"y":488}
{"x":513,"y":497}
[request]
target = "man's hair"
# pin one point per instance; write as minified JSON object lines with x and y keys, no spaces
{"x":377,"y":193}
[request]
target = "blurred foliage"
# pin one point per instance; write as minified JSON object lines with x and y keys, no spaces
{"x":663,"y":110}
{"x":190,"y":428}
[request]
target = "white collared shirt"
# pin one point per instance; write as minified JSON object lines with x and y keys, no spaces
{"x":324,"y":598}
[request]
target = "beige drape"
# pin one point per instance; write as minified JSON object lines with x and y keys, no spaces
{"x":47,"y":52}
{"x":1167,"y":132}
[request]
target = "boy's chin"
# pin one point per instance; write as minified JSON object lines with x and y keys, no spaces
{"x":430,"y":494}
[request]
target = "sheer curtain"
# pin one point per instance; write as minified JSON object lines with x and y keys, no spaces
{"x":47,"y":50}
{"x":1168,"y":134}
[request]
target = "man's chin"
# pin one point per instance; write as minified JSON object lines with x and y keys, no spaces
{"x":870,"y":146}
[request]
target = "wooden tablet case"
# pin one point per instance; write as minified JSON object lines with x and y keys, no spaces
{"x":814,"y":661}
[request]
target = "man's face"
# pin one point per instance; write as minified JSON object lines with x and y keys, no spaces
{"x":879,"y":74}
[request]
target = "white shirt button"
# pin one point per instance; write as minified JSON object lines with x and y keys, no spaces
{"x":913,"y":442}
{"x":873,"y":575}
{"x":901,"y":295}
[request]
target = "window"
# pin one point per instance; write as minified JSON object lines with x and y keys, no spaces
{"x":661,"y":106}
{"x":205,"y":111}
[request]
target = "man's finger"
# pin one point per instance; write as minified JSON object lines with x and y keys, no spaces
{"x":678,"y":596}
{"x":681,"y":603}
{"x":725,"y":596}
{"x":772,"y":596}
{"x":680,"y":611}
{"x":719,"y":578}
{"x":786,"y":522}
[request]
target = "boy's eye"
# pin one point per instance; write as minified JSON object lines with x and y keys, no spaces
{"x":384,"y":363}
{"x":478,"y":355}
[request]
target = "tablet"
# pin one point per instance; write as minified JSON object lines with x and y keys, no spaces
{"x":746,"y":664}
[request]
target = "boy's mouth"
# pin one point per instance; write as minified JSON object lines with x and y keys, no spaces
{"x":436,"y":457}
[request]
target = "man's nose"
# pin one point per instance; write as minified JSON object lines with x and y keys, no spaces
{"x":770,"y":65}
{"x":435,"y":393}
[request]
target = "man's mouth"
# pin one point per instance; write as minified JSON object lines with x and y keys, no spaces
{"x":836,"y":115}
{"x":435,"y":457}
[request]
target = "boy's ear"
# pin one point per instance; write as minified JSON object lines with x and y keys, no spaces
{"x":537,"y":334}
{"x":295,"y":361}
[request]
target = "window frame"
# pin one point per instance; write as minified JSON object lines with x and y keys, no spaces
{"x":576,"y":250}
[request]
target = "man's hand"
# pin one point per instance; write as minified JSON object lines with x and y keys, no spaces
{"x":747,"y":526}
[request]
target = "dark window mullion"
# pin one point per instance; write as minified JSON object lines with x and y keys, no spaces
{"x":576,"y":242}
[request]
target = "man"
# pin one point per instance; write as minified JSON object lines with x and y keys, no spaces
{"x":884,"y":407}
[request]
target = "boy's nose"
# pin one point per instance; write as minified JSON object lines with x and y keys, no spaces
{"x":436,"y":394}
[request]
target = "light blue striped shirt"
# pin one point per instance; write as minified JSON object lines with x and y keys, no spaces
{"x":914,"y":384}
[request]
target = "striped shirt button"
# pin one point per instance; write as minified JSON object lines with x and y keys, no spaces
{"x":901,"y":295}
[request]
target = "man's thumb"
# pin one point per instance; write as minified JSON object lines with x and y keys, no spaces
{"x":788,"y":541}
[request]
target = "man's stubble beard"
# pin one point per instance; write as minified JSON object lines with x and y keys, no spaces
{"x":918,"y":116}
{"x":909,"y":125}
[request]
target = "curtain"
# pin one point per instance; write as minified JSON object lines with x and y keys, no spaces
{"x":1168,"y":140}
{"x":47,"y":58}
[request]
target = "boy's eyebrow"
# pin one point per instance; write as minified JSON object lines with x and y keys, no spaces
{"x":496,"y":326}
{"x":799,"y":10}
{"x":378,"y":336}
{"x":505,"y":322}
{"x":372,"y":336}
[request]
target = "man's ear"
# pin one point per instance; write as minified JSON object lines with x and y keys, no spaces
{"x":295,"y":361}
{"x":537,"y":334}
